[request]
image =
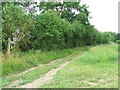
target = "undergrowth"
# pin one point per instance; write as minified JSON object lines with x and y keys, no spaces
{"x":19,"y":61}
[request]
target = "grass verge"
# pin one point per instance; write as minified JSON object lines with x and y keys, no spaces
{"x":97,"y":69}
{"x":20,"y":61}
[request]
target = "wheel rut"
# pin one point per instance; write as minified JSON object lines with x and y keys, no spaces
{"x":44,"y":79}
{"x":48,"y":76}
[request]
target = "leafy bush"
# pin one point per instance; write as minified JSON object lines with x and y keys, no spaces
{"x":118,"y":41}
{"x":50,"y":31}
{"x":16,"y":24}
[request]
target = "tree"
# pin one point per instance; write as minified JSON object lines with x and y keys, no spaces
{"x":58,"y":26}
{"x":112,"y":36}
{"x":51,"y":32}
{"x":16,"y":24}
{"x":67,"y":10}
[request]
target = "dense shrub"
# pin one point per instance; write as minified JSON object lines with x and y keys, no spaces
{"x":79,"y":32}
{"x":16,"y":24}
{"x":118,"y":41}
{"x":51,"y":32}
{"x":112,"y":36}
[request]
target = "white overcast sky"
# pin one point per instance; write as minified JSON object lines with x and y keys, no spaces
{"x":104,"y":13}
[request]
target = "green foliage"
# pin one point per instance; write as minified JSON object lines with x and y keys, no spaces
{"x":16,"y":24}
{"x":112,"y":36}
{"x":56,"y":27}
{"x":118,"y":41}
{"x":87,"y":35}
{"x":67,"y":10}
{"x":79,"y":32}
{"x":51,"y":31}
{"x":118,"y":36}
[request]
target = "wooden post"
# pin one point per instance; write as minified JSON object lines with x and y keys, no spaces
{"x":8,"y":46}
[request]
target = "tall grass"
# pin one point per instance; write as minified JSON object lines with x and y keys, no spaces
{"x":19,"y":61}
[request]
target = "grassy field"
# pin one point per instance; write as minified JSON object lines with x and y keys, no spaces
{"x":34,"y":74}
{"x":97,"y":69}
{"x":94,"y":67}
